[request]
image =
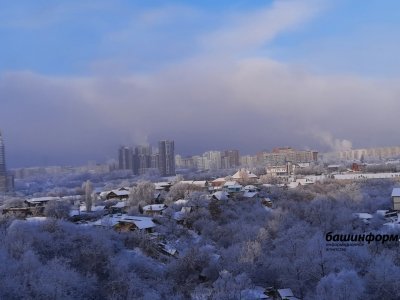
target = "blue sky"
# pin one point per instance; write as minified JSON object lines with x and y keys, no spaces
{"x":96,"y":74}
{"x":73,"y":37}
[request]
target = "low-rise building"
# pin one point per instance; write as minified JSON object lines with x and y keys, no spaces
{"x":245,"y":176}
{"x":396,"y":198}
{"x":232,"y":187}
{"x":154,"y":209}
{"x":200,"y":183}
{"x":219,"y":182}
{"x":122,"y":193}
{"x":123,"y":223}
{"x":277,"y":170}
{"x":286,"y":294}
{"x":42,"y":201}
{"x":119,"y":207}
{"x":163,"y":186}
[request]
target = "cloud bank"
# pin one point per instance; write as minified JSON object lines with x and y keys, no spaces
{"x":207,"y":101}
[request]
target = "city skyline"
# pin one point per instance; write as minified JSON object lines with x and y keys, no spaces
{"x":141,"y":159}
{"x":305,"y":73}
{"x":145,"y":157}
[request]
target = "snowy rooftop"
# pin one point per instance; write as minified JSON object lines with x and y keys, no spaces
{"x":221,"y":179}
{"x":37,"y":219}
{"x":121,"y":204}
{"x":232,"y":184}
{"x":220,"y":195}
{"x":112,"y":220}
{"x":140,"y":222}
{"x":250,"y":187}
{"x":381,"y":212}
{"x":243,"y":174}
{"x":155,"y":207}
{"x":201,"y":183}
{"x":43,"y":199}
{"x":286,"y":294}
{"x":120,"y":193}
{"x":396,"y":192}
{"x":73,"y":197}
{"x":162,"y":185}
{"x":248,"y":194}
{"x":364,"y":216}
{"x":82,"y":208}
{"x":304,"y":181}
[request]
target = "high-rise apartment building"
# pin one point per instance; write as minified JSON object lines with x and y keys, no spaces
{"x":166,"y":158}
{"x":248,"y":161}
{"x":212,"y":160}
{"x":142,"y":158}
{"x":125,"y":158}
{"x":230,"y":159}
{"x":154,"y":162}
{"x":3,"y":170}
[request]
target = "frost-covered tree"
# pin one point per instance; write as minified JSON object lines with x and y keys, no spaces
{"x":57,"y":209}
{"x":251,"y":251}
{"x":341,"y":286}
{"x":271,"y":179}
{"x":228,"y":286}
{"x":143,"y":192}
{"x":182,"y":191}
{"x":12,"y":202}
{"x":88,"y":189}
{"x":185,"y":271}
{"x":381,"y":279}
{"x":198,"y":199}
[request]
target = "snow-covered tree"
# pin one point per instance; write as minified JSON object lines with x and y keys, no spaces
{"x":228,"y":286}
{"x":182,"y":191}
{"x":88,"y":188}
{"x":143,"y":192}
{"x":57,"y":209}
{"x":341,"y":286}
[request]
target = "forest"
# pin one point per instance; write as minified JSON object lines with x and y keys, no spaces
{"x":225,"y":248}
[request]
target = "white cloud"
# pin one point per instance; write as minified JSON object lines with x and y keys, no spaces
{"x":254,"y":29}
{"x":250,"y":105}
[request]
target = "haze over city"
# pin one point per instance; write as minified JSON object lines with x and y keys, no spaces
{"x":78,"y":79}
